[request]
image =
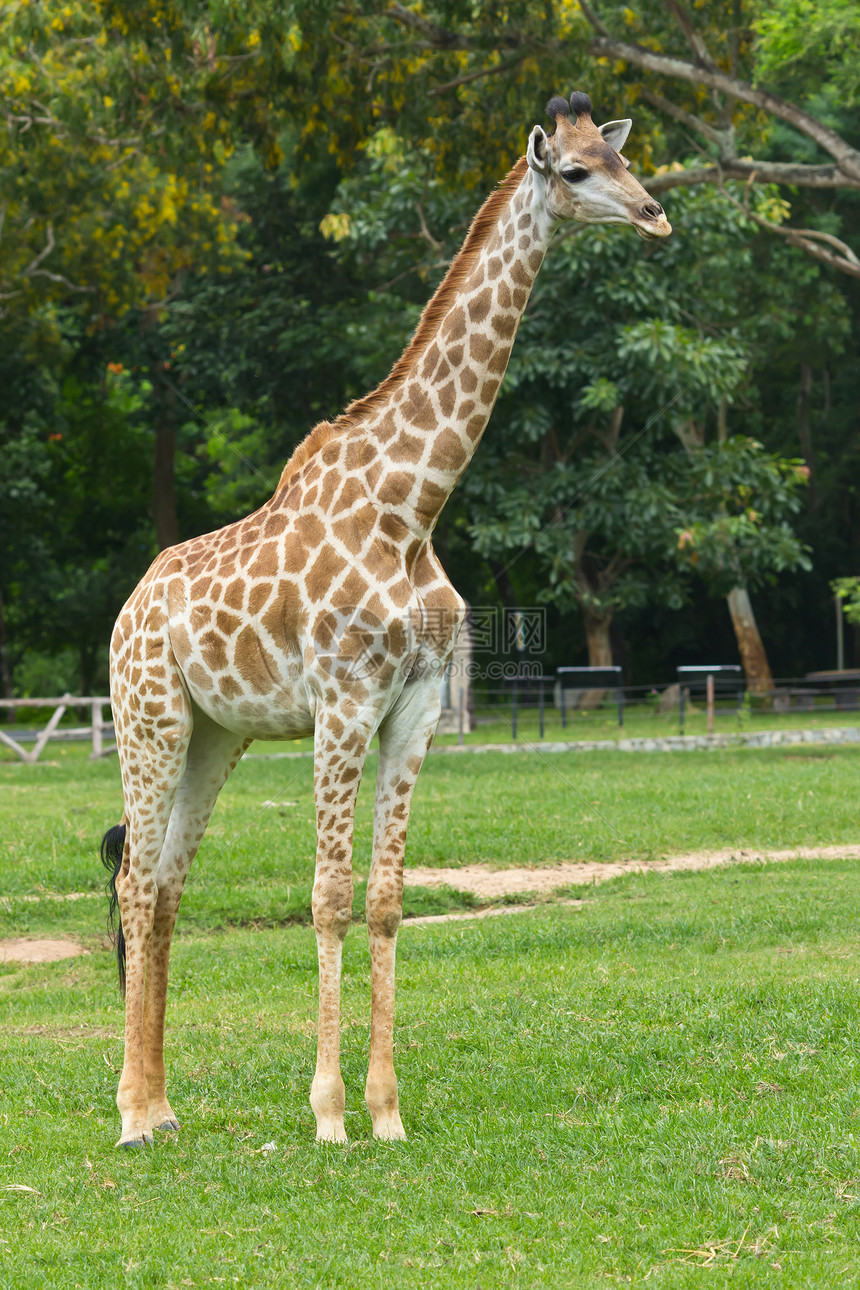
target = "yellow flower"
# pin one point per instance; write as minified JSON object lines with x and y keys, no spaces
{"x":335,"y":227}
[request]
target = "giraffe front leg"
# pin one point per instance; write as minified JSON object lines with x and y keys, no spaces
{"x":404,"y":738}
{"x":337,"y":773}
{"x":160,"y":1114}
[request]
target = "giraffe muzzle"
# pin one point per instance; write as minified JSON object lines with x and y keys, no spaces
{"x":651,"y":221}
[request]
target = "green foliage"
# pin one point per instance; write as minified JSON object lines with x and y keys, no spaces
{"x":120,"y":123}
{"x":810,"y":48}
{"x":254,"y":205}
{"x":745,"y":496}
{"x":655,"y":345}
{"x":848,"y":591}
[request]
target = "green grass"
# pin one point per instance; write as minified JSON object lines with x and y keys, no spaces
{"x":590,"y":1096}
{"x":256,"y":861}
{"x":660,"y":1088}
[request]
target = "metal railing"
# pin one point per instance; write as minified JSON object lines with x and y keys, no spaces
{"x":527,"y":707}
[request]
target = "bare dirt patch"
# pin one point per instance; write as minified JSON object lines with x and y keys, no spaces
{"x":492,"y":884}
{"x":64,"y":1033}
{"x":52,"y":895}
{"x":48,"y":951}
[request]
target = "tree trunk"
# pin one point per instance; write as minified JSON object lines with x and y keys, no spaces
{"x":750,"y":647}
{"x":163,"y":482}
{"x":599,"y":652}
{"x":597,"y":637}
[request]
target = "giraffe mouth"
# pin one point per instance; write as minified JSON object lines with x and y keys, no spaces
{"x":653,"y":230}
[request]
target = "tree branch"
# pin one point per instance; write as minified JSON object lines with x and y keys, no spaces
{"x":473,"y":76}
{"x":766,"y":172}
{"x":33,"y":271}
{"x":681,"y":15}
{"x":425,"y":231}
{"x":846,"y":157}
{"x":590,"y":16}
{"x":45,"y":251}
{"x":722,"y":138}
{"x":436,"y":36}
{"x":810,"y":240}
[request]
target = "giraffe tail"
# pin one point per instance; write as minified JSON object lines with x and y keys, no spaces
{"x":113,"y":845}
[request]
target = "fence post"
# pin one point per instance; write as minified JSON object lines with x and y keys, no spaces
{"x":681,"y":708}
{"x":50,"y":728}
{"x":710,"y":702}
{"x":460,"y":706}
{"x":514,"y":711}
{"x":541,"y":704}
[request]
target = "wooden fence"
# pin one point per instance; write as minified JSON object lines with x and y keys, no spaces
{"x":96,"y":730}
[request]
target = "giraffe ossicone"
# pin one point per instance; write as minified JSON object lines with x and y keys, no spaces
{"x":327,"y":612}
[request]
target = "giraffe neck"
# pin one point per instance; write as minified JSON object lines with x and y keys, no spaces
{"x":427,"y":430}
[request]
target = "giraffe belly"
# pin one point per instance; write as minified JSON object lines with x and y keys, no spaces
{"x":285,"y":713}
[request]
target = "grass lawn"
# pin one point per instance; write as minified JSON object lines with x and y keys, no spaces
{"x":659,"y":1087}
{"x":256,"y":861}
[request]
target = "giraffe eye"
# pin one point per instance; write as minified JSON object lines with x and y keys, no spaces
{"x":575,"y":175}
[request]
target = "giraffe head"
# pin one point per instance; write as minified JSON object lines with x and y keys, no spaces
{"x":587,"y":179}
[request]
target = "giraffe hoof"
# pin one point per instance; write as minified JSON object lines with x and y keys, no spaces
{"x":389,"y":1130}
{"x":145,"y":1140}
{"x":331,"y":1132}
{"x":167,"y":1126}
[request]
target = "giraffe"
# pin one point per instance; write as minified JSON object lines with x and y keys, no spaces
{"x":326,"y":611}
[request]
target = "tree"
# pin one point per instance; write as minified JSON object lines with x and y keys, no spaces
{"x":120,"y":123}
{"x":296,"y":283}
{"x":705,"y":85}
{"x":613,"y":439}
{"x":75,"y":531}
{"x":739,"y":535}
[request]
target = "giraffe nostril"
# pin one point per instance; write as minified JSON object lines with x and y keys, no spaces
{"x":652,"y":210}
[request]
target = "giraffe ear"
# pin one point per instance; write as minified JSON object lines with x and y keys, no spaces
{"x":615,"y":133}
{"x":536,"y":152}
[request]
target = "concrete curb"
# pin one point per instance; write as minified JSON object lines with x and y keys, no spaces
{"x":667,"y":743}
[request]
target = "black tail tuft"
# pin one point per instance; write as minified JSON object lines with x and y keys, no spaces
{"x":113,"y":845}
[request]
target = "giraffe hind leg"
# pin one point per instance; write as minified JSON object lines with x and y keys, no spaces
{"x":337,"y":773}
{"x":153,"y":756}
{"x":212,"y":754}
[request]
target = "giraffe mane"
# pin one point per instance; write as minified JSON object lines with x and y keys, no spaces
{"x":431,"y":318}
